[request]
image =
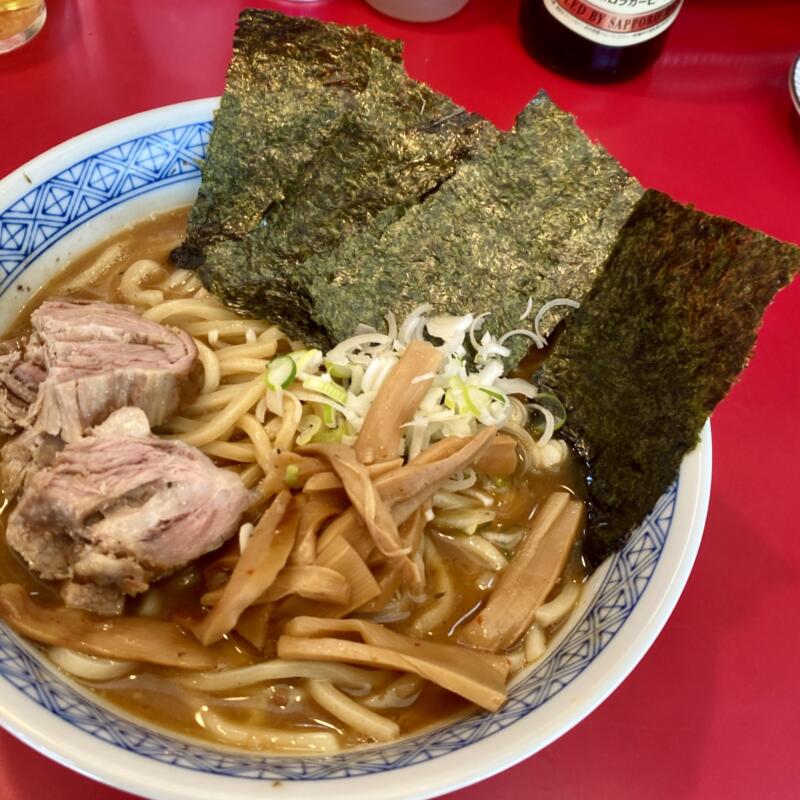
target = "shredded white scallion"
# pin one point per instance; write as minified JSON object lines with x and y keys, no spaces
{"x":408,"y":329}
{"x":559,"y":301}
{"x":469,"y":389}
{"x":549,"y":424}
{"x":534,"y":337}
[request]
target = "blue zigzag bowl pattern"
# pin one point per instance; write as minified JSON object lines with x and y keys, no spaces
{"x":30,"y":224}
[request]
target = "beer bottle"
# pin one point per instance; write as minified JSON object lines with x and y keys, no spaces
{"x":596,"y":40}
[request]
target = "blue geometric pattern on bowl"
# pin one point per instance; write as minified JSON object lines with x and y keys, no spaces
{"x":37,"y":220}
{"x":33,"y":224}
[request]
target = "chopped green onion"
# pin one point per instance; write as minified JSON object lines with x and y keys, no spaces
{"x":307,"y":428}
{"x":292,"y":476}
{"x":328,"y":436}
{"x":461,"y":396}
{"x":325,"y":386}
{"x":304,"y":358}
{"x":281,"y":372}
{"x":328,"y":415}
{"x":494,"y":394}
{"x":554,"y":406}
{"x":338,"y":370}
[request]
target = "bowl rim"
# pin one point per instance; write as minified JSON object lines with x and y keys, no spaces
{"x":103,"y":761}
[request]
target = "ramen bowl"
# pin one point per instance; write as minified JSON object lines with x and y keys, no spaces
{"x":75,"y":196}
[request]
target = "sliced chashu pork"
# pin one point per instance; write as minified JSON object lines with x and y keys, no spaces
{"x":82,"y":361}
{"x":121,"y":508}
{"x":19,"y":387}
{"x":100,"y":357}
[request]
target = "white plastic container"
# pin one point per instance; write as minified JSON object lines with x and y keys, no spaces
{"x":418,"y":10}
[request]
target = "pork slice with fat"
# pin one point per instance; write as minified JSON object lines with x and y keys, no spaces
{"x":100,"y":357}
{"x":121,"y":508}
{"x":19,"y":386}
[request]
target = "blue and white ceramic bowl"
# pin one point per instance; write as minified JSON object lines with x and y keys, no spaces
{"x":74,"y":196}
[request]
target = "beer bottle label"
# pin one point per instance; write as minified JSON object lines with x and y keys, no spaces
{"x":618,"y":23}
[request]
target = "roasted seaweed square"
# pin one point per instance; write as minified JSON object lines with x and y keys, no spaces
{"x":288,"y":82}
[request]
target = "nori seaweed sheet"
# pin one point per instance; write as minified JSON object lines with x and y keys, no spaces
{"x":671,"y":298}
{"x":536,"y":216}
{"x":668,"y":326}
{"x":398,"y":143}
{"x":289,"y":80}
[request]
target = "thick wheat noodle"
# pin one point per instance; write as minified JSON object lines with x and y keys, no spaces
{"x":188,"y":424}
{"x":556,"y":609}
{"x":257,"y":737}
{"x":227,"y":417}
{"x":226,"y":328}
{"x":258,"y":436}
{"x":477,"y":548}
{"x":398,"y":694}
{"x":356,"y":678}
{"x":110,"y":258}
{"x":191,"y":308}
{"x":182,"y":424}
{"x":240,"y":365}
{"x":213,"y":401}
{"x":211,"y":371}
{"x":90,"y":668}
{"x":284,"y":438}
{"x":258,"y":349}
{"x":243,"y":452}
{"x":184,"y":279}
{"x":130,"y":285}
{"x":535,"y":644}
{"x":351,"y":712}
{"x":272,"y":426}
{"x":435,"y":616}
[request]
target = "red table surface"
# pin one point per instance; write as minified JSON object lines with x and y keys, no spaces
{"x":711,"y":711}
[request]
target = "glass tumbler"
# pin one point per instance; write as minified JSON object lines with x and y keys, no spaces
{"x":20,"y":21}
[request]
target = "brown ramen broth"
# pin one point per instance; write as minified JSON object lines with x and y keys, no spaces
{"x":458,"y":582}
